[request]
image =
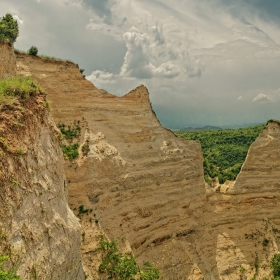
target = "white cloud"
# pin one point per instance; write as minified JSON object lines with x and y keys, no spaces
{"x":167,"y":69}
{"x":145,"y":51}
{"x":101,"y":76}
{"x":261,"y":97}
{"x":240,"y":97}
{"x":136,"y":61}
{"x":233,"y":48}
{"x":18,"y":19}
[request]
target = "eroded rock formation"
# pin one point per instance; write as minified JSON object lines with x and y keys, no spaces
{"x":7,"y":60}
{"x":144,"y":187}
{"x":37,"y":228}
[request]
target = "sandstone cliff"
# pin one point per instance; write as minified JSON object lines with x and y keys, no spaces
{"x":144,"y":187}
{"x":38,"y":229}
{"x":7,"y":60}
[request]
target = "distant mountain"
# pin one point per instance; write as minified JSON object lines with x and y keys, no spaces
{"x":210,"y":127}
{"x":206,"y":127}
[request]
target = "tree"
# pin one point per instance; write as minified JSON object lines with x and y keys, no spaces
{"x":33,"y":51}
{"x":8,"y":29}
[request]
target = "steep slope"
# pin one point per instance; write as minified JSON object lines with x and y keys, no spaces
{"x":144,"y":187}
{"x":37,"y":228}
{"x":241,"y":230}
{"x":35,"y":216}
{"x":7,"y":60}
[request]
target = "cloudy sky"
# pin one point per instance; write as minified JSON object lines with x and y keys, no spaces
{"x":204,"y":62}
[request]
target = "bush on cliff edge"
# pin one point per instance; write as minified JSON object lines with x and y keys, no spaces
{"x":8,"y":29}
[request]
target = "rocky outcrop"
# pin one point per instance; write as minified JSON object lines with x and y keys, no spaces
{"x":141,"y":185}
{"x":37,"y":228}
{"x":144,"y":185}
{"x":240,"y":231}
{"x":7,"y":60}
{"x":261,"y":170}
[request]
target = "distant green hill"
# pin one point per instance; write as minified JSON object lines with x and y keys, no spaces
{"x":224,"y":151}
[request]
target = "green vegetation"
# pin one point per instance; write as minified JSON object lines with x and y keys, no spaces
{"x":275,"y":265}
{"x":20,"y":88}
{"x":70,"y":151}
{"x":43,"y":56}
{"x":8,"y":271}
{"x":8,"y":29}
{"x":70,"y":132}
{"x":5,"y":272}
{"x":33,"y":51}
{"x":224,"y":151}
{"x":119,"y":266}
{"x":85,"y":149}
{"x":83,"y":210}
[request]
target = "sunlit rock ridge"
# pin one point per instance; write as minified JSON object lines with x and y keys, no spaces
{"x":146,"y":186}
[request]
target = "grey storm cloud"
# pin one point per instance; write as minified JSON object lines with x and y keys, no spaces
{"x":103,"y":8}
{"x":197,"y":58}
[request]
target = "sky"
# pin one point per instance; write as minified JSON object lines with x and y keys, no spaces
{"x":204,"y":62}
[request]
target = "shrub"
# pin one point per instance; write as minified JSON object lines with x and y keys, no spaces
{"x":265,"y":242}
{"x":120,"y":266}
{"x":275,"y":265}
{"x":8,"y":29}
{"x":71,"y":131}
{"x":33,"y":51}
{"x":18,"y":87}
{"x":71,"y":151}
{"x":5,"y":273}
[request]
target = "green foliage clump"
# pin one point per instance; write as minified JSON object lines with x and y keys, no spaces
{"x":22,"y":87}
{"x":8,"y":29}
{"x":7,"y":273}
{"x":224,"y":150}
{"x":70,"y":132}
{"x":33,"y":51}
{"x":119,"y":266}
{"x":70,"y":151}
{"x":85,"y":149}
{"x":275,"y":265}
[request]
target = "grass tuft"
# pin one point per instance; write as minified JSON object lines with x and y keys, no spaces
{"x":22,"y":87}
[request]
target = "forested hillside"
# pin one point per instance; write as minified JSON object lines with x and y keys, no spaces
{"x":224,"y":151}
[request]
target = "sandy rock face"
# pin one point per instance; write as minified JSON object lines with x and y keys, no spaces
{"x":141,"y":185}
{"x":7,"y":61}
{"x":144,"y":185}
{"x":240,"y":232}
{"x":261,"y":171}
{"x":42,"y":232}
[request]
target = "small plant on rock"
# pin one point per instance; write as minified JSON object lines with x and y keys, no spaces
{"x":33,"y":51}
{"x":275,"y":265}
{"x":8,"y":29}
{"x":119,"y":266}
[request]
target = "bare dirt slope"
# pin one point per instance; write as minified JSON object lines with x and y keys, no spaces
{"x":38,"y":230}
{"x":7,"y":60}
{"x":146,"y":189}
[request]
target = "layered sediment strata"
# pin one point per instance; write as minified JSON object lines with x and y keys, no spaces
{"x":141,"y":185}
{"x":38,"y":230}
{"x":42,"y":230}
{"x":144,"y":184}
{"x":7,"y":60}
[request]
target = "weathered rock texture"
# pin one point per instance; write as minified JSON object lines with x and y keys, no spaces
{"x":43,"y":234}
{"x":7,"y":60}
{"x":241,"y":230}
{"x":146,"y":189}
